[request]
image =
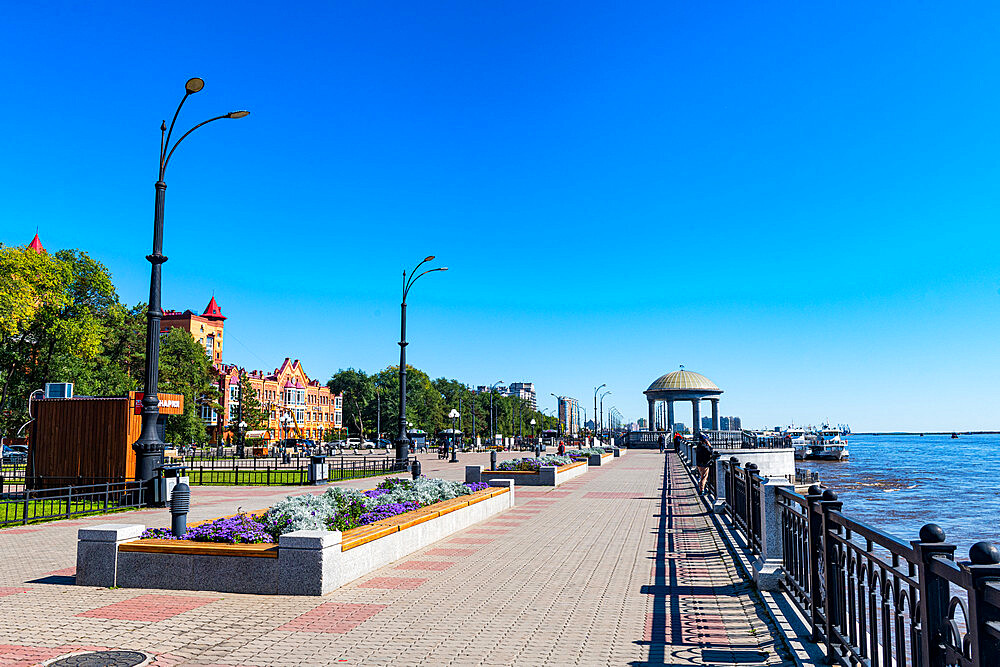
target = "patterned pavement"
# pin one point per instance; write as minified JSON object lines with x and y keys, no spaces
{"x":618,"y":567}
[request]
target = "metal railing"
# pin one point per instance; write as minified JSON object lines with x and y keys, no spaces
{"x":871,"y":598}
{"x":265,"y":473}
{"x":34,"y":505}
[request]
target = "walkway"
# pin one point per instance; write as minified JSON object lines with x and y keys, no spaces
{"x":618,"y":567}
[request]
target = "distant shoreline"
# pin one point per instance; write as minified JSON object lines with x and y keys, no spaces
{"x":924,"y":432}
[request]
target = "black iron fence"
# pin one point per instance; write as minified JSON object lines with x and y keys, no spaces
{"x":871,"y":598}
{"x":265,"y":473}
{"x":34,"y":505}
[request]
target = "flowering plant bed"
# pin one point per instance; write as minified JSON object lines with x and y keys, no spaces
{"x":551,"y":471}
{"x":305,"y":561}
{"x":532,"y":464}
{"x":336,"y":509}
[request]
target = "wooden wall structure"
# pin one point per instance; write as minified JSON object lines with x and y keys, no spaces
{"x":88,"y":440}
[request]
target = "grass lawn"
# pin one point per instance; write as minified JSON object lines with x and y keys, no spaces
{"x":273,"y":477}
{"x":12,"y":511}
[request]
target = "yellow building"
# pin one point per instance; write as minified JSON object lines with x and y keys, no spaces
{"x":312,"y":408}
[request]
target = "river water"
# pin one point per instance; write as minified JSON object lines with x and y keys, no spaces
{"x":898,"y":483}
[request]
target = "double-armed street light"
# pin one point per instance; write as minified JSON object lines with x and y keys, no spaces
{"x":597,"y":389}
{"x":558,"y":417}
{"x":149,"y":447}
{"x":454,"y":414}
{"x":493,"y":435}
{"x":602,"y":409}
{"x":403,"y":440}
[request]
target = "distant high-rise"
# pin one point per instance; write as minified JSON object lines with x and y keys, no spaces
{"x":643,"y":424}
{"x":569,"y":415}
{"x":706,"y":423}
{"x":525,"y":391}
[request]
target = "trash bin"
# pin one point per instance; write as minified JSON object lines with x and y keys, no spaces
{"x":167,"y":477}
{"x":318,"y":470}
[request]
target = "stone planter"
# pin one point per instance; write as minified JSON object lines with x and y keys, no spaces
{"x":546,"y":476}
{"x":304,"y":562}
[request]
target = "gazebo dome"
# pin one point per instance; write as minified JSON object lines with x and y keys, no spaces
{"x":683,"y":381}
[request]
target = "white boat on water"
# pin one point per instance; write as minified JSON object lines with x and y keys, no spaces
{"x":830,"y":445}
{"x":797,"y":437}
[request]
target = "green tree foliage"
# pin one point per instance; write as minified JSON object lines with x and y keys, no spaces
{"x":186,"y":369}
{"x":58,"y":313}
{"x":254,"y":414}
{"x":428,"y":403}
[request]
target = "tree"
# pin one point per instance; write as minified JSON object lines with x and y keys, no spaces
{"x":186,"y":369}
{"x":55,"y":312}
{"x":358,"y":389}
{"x":254,"y":414}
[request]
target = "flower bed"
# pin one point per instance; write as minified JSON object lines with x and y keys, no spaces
{"x":336,"y":509}
{"x":589,"y":451}
{"x":533,"y":464}
{"x":309,"y":561}
{"x":542,"y":471}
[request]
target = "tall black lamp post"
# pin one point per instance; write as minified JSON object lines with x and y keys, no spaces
{"x":454,"y":434}
{"x":402,"y":440}
{"x":493,"y":434}
{"x":597,"y":389}
{"x":149,"y":447}
{"x":601,"y":413}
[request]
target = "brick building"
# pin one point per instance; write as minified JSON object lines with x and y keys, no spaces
{"x":312,"y":407}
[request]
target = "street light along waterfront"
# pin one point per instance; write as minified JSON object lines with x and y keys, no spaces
{"x":149,"y":447}
{"x":403,"y":441}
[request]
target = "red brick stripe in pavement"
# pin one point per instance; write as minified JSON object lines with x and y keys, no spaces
{"x":65,"y":572}
{"x":18,"y":531}
{"x":393,"y":583}
{"x":471,"y":540}
{"x":610,"y":495}
{"x":450,"y":552}
{"x":19,"y":655}
{"x":4,"y":591}
{"x":436,"y":565}
{"x":148,"y":608}
{"x":487,"y":531}
{"x":333,"y":617}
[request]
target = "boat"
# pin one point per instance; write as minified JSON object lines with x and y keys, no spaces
{"x":830,"y":445}
{"x":797,"y":438}
{"x":954,"y":436}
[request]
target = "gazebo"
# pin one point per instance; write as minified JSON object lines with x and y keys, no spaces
{"x":683,"y":385}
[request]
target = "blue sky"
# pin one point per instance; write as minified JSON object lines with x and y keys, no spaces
{"x":797,"y":201}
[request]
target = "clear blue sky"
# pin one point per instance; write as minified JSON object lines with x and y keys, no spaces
{"x":798,"y":201}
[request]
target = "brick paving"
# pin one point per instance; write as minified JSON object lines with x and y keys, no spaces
{"x":618,"y":567}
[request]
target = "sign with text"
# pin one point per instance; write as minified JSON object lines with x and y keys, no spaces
{"x":170,"y":404}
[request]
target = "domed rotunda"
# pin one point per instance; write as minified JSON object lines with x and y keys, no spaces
{"x":681,"y":385}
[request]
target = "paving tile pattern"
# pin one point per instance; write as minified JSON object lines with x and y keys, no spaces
{"x":633,"y":576}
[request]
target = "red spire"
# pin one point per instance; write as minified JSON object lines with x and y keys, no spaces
{"x":212,"y":310}
{"x":36,"y":244}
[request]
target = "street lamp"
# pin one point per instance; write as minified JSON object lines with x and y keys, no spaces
{"x":454,"y":447}
{"x":493,"y":433}
{"x":149,"y":447}
{"x":285,"y":422}
{"x":558,"y":414}
{"x":403,"y":441}
{"x":597,"y":389}
{"x":601,"y":413}
{"x":532,"y":423}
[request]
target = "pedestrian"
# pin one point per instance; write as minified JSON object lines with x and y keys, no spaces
{"x":562,"y":449}
{"x":662,"y":440}
{"x":677,"y":440}
{"x":703,"y":459}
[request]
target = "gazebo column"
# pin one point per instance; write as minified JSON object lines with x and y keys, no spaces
{"x":696,"y":416}
{"x":652,"y":414}
{"x":715,"y":414}
{"x":670,"y":415}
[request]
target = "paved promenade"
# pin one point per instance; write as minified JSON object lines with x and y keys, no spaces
{"x":618,"y":567}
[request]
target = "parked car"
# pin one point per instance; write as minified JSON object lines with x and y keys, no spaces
{"x":14,"y":454}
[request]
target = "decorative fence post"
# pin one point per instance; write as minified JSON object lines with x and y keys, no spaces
{"x":767,"y":570}
{"x":833,"y":603}
{"x":935,"y":594}
{"x":749,"y":510}
{"x":814,"y":496}
{"x":730,"y":486}
{"x":984,"y":615}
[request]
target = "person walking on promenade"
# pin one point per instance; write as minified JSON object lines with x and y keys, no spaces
{"x":677,"y":441}
{"x":703,"y":459}
{"x":663,"y":442}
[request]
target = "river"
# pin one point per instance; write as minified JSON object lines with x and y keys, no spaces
{"x":898,"y":483}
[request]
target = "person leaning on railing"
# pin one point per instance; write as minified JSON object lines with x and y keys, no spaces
{"x":703,"y":459}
